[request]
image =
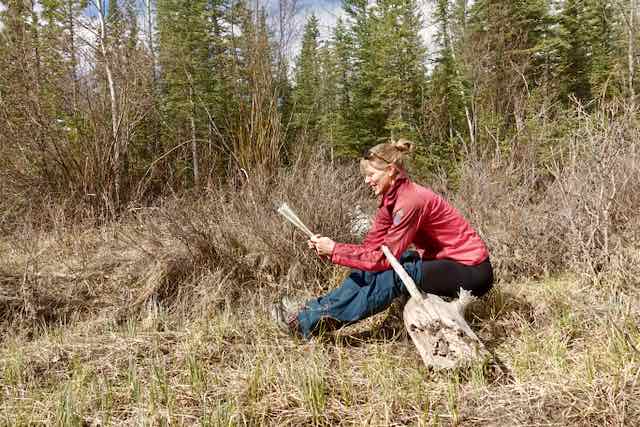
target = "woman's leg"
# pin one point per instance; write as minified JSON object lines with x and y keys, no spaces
{"x":446,"y":277}
{"x":360,"y":295}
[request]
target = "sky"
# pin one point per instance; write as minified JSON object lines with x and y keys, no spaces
{"x":2,"y":7}
{"x":327,"y":12}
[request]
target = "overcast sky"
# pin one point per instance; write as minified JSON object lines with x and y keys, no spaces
{"x":328,"y":12}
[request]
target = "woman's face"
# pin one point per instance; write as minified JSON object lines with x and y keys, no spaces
{"x":379,"y":180}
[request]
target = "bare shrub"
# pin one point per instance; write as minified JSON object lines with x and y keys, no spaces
{"x":596,"y":189}
{"x":567,"y":206}
{"x":239,"y":230}
{"x":227,"y":244}
{"x":574,"y":209}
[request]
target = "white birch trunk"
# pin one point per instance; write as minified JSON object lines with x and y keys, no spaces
{"x":112,"y":95}
{"x":73,"y":54}
{"x":194,"y":143}
{"x":149,"y":12}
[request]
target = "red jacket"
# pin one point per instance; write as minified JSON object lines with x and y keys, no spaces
{"x":411,"y":214}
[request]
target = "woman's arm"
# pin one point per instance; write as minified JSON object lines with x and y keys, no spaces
{"x":324,"y":246}
{"x":405,"y":223}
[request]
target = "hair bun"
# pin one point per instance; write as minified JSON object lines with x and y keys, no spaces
{"x":403,"y":145}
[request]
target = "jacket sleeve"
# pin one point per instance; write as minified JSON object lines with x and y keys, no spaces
{"x":400,"y":233}
{"x":378,"y":230}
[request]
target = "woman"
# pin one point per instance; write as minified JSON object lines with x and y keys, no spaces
{"x":449,"y":254}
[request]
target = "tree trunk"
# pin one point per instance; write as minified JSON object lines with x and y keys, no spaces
{"x":114,"y":103}
{"x":632,"y":46}
{"x":73,"y":55}
{"x":36,"y":46}
{"x":150,"y":41}
{"x":194,"y":144}
{"x":154,"y":73}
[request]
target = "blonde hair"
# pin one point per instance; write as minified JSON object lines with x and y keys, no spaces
{"x":382,"y":155}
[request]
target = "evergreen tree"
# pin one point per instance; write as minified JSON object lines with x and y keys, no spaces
{"x":15,"y":66}
{"x":508,"y":56}
{"x":329,"y":102}
{"x":365,"y":119}
{"x":386,"y":75}
{"x":306,"y":93}
{"x":252,"y":116}
{"x":446,"y":107}
{"x":59,"y":62}
{"x":37,"y":78}
{"x":590,"y":51}
{"x":401,"y":71}
{"x":339,"y":71}
{"x":184,"y":41}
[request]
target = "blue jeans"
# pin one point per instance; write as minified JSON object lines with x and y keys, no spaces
{"x":360,"y":295}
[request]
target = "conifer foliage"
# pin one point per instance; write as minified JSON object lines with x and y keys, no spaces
{"x":112,"y":103}
{"x":306,"y":94}
{"x":384,"y":57}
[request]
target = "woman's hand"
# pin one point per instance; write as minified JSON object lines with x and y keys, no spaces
{"x":323,"y":245}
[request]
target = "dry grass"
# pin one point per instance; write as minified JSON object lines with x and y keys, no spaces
{"x":556,"y":203}
{"x":564,"y":356}
{"x":183,"y":252}
{"x":161,"y":318}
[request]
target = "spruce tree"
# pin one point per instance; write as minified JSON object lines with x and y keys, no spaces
{"x":508,"y":56}
{"x":306,"y":93}
{"x":361,"y":126}
{"x":184,"y":31}
{"x":401,"y":56}
{"x":386,"y":71}
{"x":329,"y":101}
{"x":591,"y":53}
{"x":254,"y":136}
{"x":446,"y":107}
{"x":338,"y":66}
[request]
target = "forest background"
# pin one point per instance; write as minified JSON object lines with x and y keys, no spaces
{"x":144,"y":144}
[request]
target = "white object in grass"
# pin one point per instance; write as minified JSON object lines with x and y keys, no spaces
{"x":288,"y":213}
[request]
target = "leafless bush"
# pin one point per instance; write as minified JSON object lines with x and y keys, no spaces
{"x":66,"y":157}
{"x":239,"y":229}
{"x":226,"y":244}
{"x":575,"y":210}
